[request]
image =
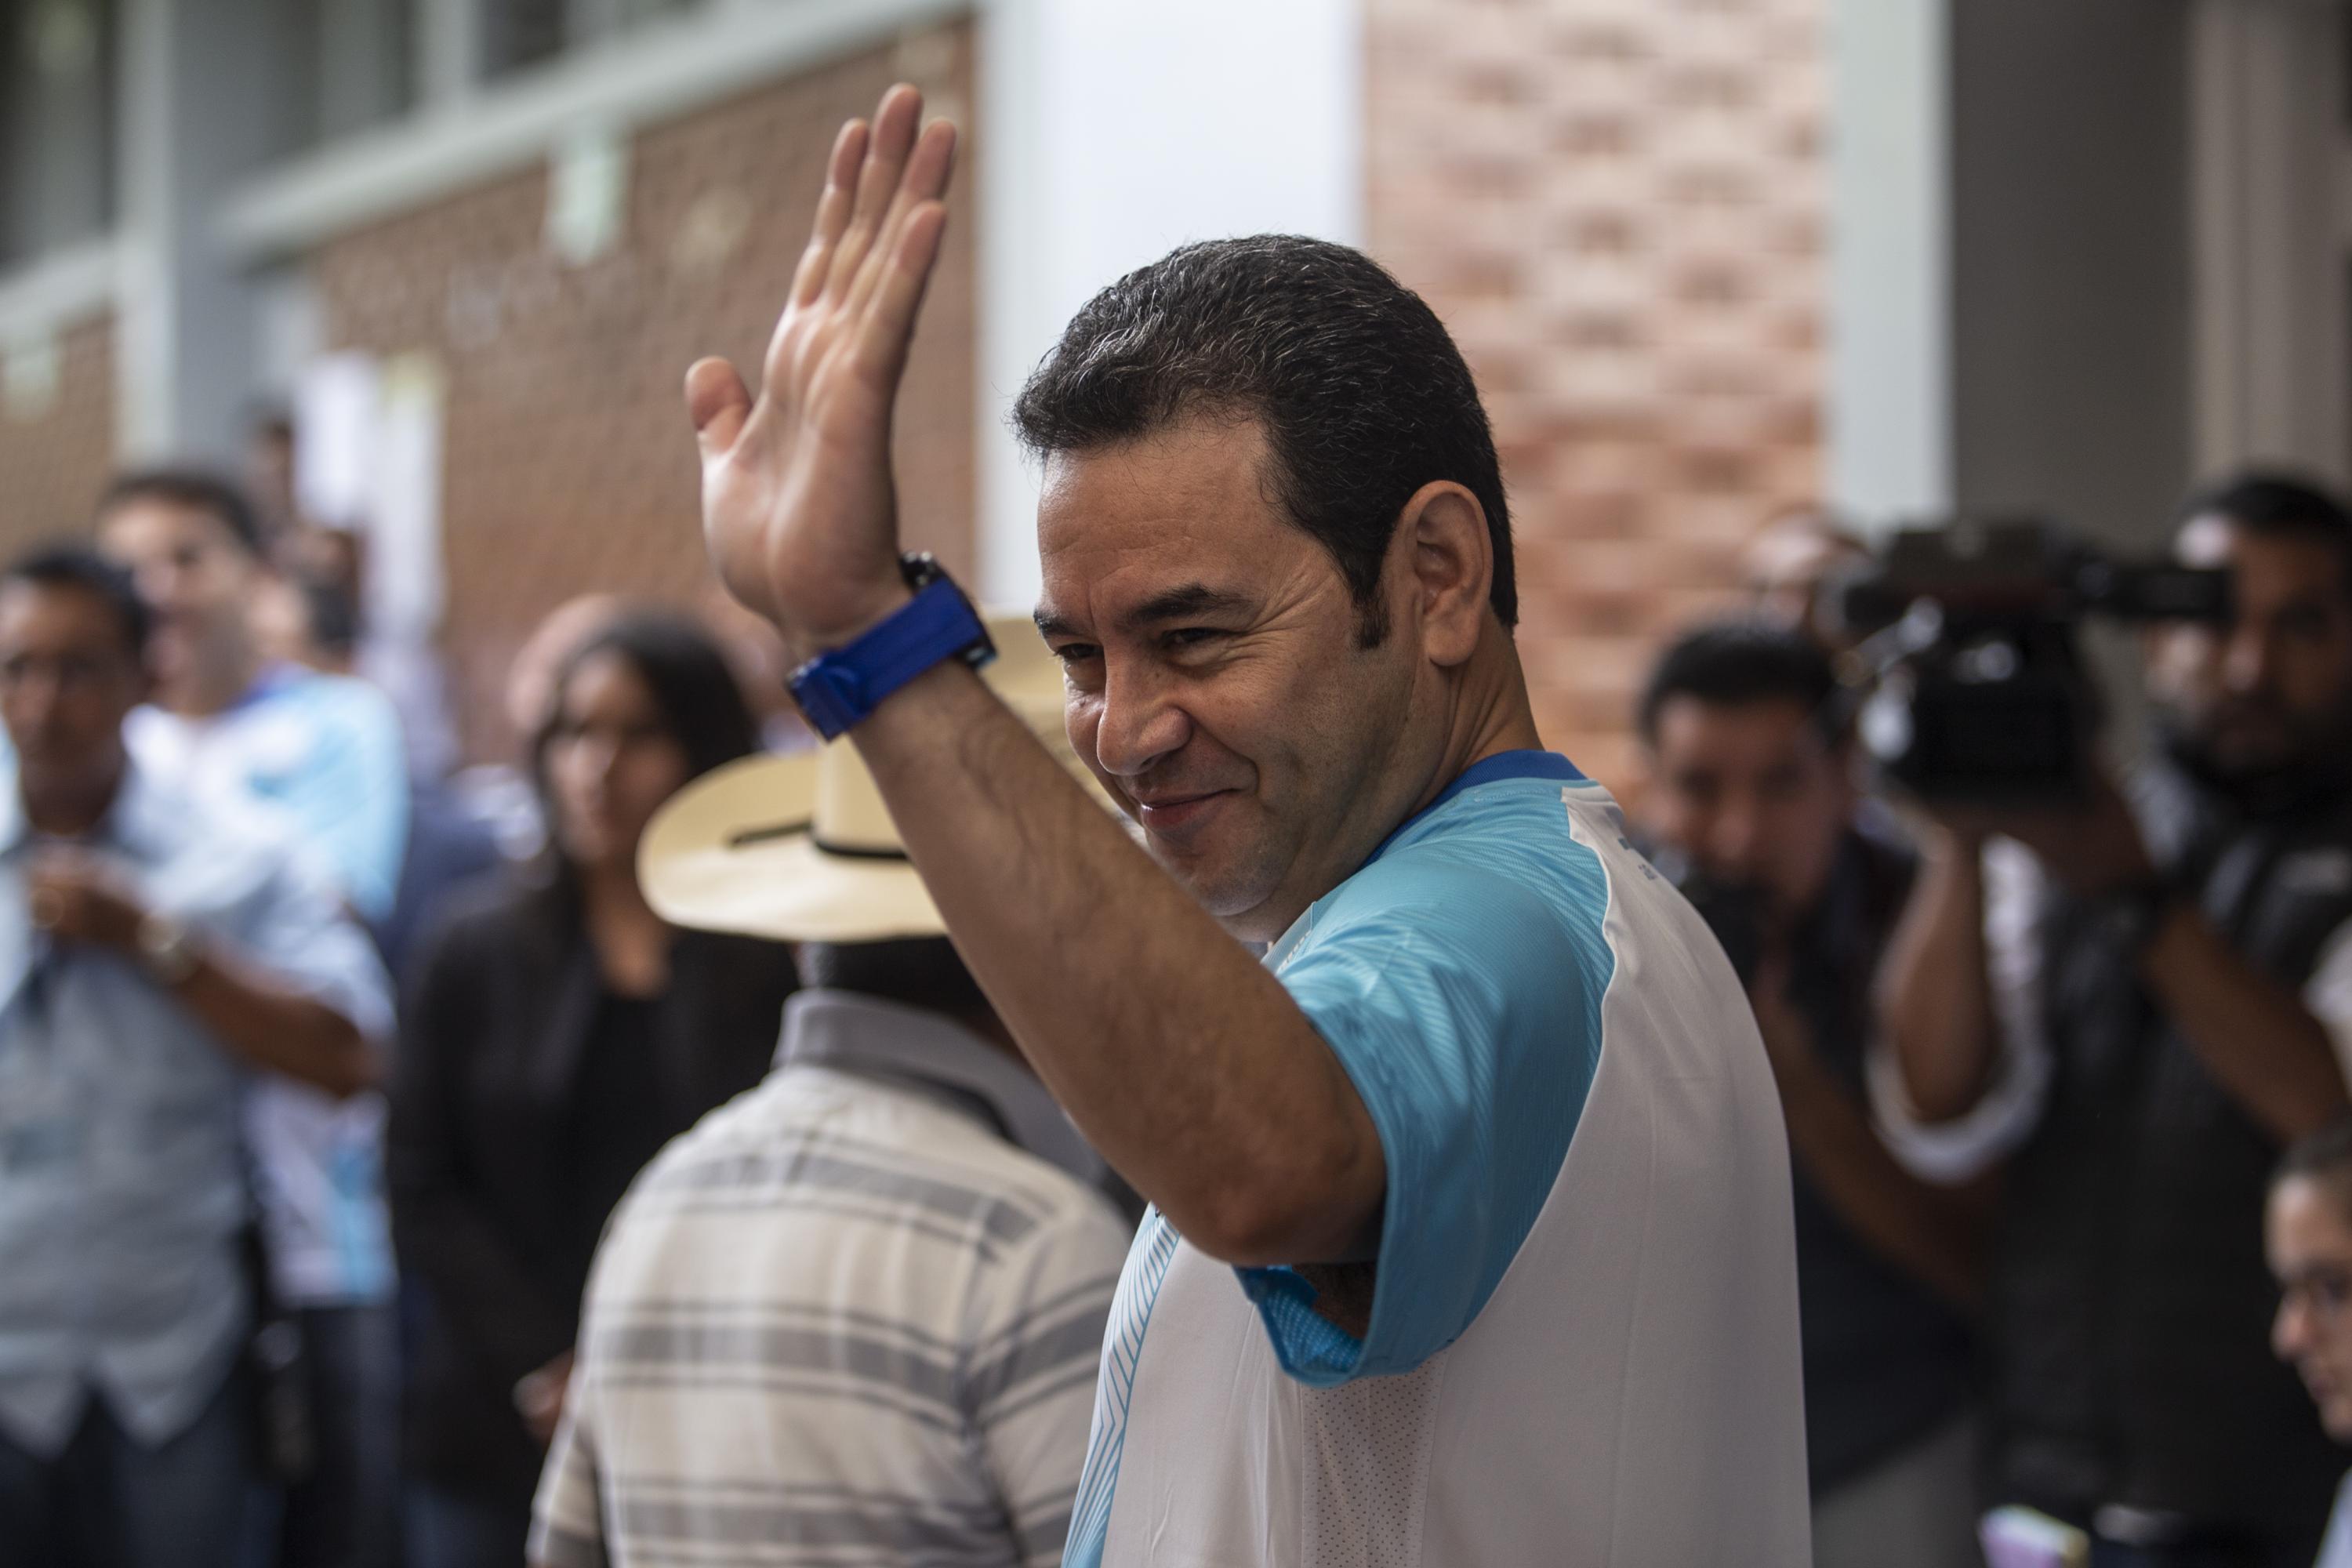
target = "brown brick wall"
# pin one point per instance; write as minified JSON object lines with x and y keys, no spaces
{"x":54,"y":463}
{"x":1617,"y":206}
{"x":570,"y":464}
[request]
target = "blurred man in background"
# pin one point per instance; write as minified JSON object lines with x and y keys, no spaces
{"x":1752,"y":801}
{"x":2137,"y":1015}
{"x":157,"y":948}
{"x":2307,"y":1233}
{"x":324,"y":753}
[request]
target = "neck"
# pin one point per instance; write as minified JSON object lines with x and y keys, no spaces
{"x":612,"y":892}
{"x":1486,"y":713}
{"x":1491,"y":714}
{"x":213,"y":686}
{"x":62,"y":809}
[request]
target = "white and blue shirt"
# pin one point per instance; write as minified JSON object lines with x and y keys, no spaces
{"x":322,"y":754}
{"x":1582,"y":1344}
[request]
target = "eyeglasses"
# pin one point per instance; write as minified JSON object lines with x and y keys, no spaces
{"x":2324,"y":1290}
{"x":68,"y":672}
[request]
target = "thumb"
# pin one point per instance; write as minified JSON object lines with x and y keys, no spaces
{"x":717,"y":402}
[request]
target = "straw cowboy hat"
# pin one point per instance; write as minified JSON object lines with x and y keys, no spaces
{"x":801,"y":848}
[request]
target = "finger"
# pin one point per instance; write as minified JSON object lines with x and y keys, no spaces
{"x":893,"y":139}
{"x":831,"y":211}
{"x":719,"y":404}
{"x":925,"y":180}
{"x":889,"y":325}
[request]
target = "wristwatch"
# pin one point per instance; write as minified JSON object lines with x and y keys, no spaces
{"x":841,"y":685}
{"x":168,"y":948}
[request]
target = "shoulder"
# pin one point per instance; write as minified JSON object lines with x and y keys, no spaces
{"x":483,"y":919}
{"x":207,"y":824}
{"x":1508,"y":856}
{"x":342,"y":711}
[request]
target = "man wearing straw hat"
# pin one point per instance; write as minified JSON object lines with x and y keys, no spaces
{"x":1470,"y":1237}
{"x":854,"y":1314}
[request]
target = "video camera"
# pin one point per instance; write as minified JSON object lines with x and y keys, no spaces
{"x":1977,"y":693}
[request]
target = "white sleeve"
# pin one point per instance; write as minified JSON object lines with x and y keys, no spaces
{"x":2329,"y":995}
{"x":1949,"y":1153}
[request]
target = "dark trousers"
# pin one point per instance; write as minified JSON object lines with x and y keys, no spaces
{"x":108,"y":1500}
{"x":344,"y":1512}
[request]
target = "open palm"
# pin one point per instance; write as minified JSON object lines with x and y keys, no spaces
{"x":798,"y":508}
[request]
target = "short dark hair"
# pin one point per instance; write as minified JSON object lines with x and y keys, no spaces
{"x":1362,"y":395}
{"x":2324,"y":1157}
{"x":1734,"y":664}
{"x":2277,"y":504}
{"x":80,"y":568}
{"x":923,"y":971}
{"x":199,"y":489}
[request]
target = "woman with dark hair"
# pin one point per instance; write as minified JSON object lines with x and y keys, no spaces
{"x":556,"y":1034}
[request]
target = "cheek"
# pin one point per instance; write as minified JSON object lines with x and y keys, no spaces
{"x":2317,"y":679}
{"x":569,"y":772}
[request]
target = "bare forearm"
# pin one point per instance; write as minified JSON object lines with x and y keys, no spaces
{"x":1934,"y":995}
{"x":279,"y":1029}
{"x":2256,"y":1039}
{"x":1179,"y":1056}
{"x":1932,"y":1234}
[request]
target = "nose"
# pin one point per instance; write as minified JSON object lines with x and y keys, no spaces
{"x":2290,"y":1331}
{"x":1136,"y":724}
{"x":1732,"y":841}
{"x":2246,"y":660}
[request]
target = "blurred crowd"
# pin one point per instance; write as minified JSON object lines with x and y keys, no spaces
{"x":328,"y":1092}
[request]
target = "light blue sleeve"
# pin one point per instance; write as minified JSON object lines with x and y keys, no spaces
{"x":1465,"y":1008}
{"x":291,"y":920}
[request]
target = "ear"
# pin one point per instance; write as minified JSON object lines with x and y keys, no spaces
{"x":1447,"y":560}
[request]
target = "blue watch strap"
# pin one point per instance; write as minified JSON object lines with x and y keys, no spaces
{"x":838,"y":688}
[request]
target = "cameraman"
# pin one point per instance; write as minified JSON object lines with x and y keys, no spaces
{"x":1752,"y":803}
{"x":2137,"y":1015}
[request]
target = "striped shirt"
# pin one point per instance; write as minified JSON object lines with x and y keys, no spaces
{"x":851,"y":1317}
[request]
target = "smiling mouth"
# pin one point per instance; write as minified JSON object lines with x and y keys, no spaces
{"x":1171,"y":814}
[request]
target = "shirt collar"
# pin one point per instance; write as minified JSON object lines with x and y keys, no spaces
{"x":881,"y":1039}
{"x":1525,"y":764}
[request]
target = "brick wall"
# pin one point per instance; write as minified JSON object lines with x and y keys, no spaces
{"x":55,"y":455}
{"x":570,"y":464}
{"x":1617,"y":206}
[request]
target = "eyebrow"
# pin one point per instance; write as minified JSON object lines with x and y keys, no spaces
{"x":1173,"y":604}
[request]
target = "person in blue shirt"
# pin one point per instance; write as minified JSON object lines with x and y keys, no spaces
{"x":159,"y":950}
{"x":322,"y":753}
{"x":1471,"y":1236}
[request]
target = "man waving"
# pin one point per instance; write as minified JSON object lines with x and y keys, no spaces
{"x":1470,"y":1237}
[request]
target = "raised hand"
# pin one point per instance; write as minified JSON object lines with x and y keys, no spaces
{"x":798,"y":507}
